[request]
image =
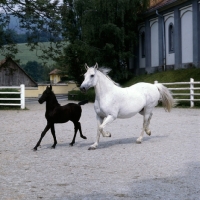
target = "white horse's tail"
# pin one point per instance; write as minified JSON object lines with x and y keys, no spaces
{"x":166,"y":97}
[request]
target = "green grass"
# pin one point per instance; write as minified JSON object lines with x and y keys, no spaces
{"x":182,"y":75}
{"x":25,"y":54}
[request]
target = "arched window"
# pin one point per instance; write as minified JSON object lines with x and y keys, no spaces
{"x":143,"y":44}
{"x":171,"y":38}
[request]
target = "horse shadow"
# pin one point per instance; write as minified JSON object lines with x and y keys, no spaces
{"x":125,"y":141}
{"x":104,"y":144}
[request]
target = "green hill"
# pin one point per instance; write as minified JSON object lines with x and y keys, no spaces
{"x":25,"y":54}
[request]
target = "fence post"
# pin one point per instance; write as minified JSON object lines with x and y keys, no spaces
{"x":191,"y":92}
{"x":155,"y":82}
{"x":22,"y":96}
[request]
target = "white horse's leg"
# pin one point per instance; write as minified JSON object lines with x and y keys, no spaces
{"x":99,"y":122}
{"x":147,"y":130}
{"x":107,"y":120}
{"x":100,"y":127}
{"x":146,"y":122}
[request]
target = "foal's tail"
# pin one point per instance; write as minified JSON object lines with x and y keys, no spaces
{"x":166,"y":97}
{"x":83,"y":102}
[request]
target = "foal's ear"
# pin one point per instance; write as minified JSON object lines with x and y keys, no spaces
{"x":86,"y":66}
{"x":50,"y":87}
{"x":96,"y":66}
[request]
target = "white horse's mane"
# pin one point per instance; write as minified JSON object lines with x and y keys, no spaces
{"x":105,"y":71}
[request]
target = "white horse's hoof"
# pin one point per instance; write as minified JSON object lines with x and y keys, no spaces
{"x":108,"y":134}
{"x":91,"y":148}
{"x":148,"y":132}
{"x":138,"y":141}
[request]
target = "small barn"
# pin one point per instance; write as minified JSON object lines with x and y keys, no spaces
{"x":55,"y":76}
{"x":11,"y":74}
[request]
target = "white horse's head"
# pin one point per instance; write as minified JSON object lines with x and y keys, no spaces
{"x":90,"y":79}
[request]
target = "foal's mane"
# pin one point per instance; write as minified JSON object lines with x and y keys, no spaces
{"x":105,"y":72}
{"x":54,"y":96}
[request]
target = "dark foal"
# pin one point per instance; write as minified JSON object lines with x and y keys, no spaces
{"x":55,"y":113}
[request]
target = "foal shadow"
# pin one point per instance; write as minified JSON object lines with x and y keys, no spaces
{"x":104,"y":144}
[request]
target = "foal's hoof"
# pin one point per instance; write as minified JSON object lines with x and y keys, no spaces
{"x":84,"y":137}
{"x":34,"y":149}
{"x":71,"y":144}
{"x":53,"y":147}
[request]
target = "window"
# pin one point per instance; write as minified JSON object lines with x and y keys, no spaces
{"x":143,"y":44}
{"x":171,"y":38}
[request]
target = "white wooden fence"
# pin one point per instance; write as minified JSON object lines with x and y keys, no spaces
{"x":21,"y":92}
{"x":191,"y":89}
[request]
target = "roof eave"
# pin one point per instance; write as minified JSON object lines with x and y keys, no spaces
{"x":163,"y":8}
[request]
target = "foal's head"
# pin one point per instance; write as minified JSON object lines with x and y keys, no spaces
{"x":46,"y":95}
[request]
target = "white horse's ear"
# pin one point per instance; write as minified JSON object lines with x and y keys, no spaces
{"x":86,"y":66}
{"x":96,"y":66}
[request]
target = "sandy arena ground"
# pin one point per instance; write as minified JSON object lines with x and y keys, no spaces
{"x":165,"y":166}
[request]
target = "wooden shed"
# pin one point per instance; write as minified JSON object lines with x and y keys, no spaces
{"x":11,"y":74}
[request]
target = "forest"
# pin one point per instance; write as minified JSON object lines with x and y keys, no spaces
{"x":78,"y":31}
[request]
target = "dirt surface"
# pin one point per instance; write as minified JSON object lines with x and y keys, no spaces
{"x":165,"y":166}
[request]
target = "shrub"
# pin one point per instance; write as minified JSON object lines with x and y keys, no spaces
{"x":77,"y":95}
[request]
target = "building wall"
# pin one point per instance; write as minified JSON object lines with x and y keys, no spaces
{"x":57,"y":89}
{"x":54,"y":78}
{"x":186,"y":34}
{"x":185,"y":18}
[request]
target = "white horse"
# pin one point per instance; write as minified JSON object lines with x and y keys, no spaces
{"x":112,"y":101}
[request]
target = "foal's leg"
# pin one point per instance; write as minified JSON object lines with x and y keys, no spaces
{"x":54,"y":136}
{"x":42,"y":135}
{"x":100,"y":130}
{"x":146,"y":122}
{"x":75,"y":132}
{"x":79,"y":128}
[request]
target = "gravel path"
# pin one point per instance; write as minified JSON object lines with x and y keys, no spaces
{"x":165,"y":166}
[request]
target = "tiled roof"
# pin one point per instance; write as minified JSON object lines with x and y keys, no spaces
{"x":161,"y":4}
{"x":2,"y":62}
{"x":55,"y":71}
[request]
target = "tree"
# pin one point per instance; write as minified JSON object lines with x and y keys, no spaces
{"x":37,"y":71}
{"x":36,"y":17}
{"x":103,"y":31}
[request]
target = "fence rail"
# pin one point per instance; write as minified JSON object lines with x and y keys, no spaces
{"x":191,"y":89}
{"x":21,"y":99}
